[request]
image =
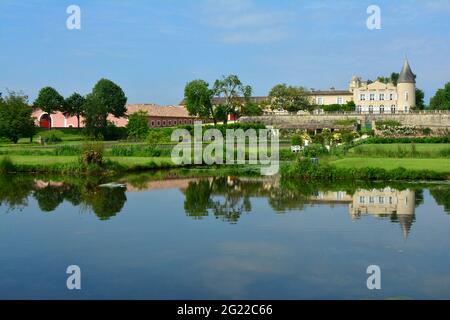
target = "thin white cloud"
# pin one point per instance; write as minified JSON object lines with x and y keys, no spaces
{"x":243,"y":21}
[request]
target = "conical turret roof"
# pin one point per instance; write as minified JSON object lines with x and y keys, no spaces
{"x":406,"y":75}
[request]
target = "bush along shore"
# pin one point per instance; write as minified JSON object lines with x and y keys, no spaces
{"x":305,"y":169}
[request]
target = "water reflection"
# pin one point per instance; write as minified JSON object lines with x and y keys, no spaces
{"x":49,"y":194}
{"x":225,"y":198}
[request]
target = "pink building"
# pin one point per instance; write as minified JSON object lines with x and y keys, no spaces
{"x":158,"y":116}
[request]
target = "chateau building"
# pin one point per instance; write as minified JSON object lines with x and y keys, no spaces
{"x":379,"y":97}
{"x":376,"y":97}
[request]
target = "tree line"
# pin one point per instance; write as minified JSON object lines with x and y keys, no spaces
{"x":105,"y":98}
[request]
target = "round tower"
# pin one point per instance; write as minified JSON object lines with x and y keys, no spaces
{"x":406,"y":89}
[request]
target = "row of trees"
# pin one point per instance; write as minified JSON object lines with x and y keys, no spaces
{"x":229,"y":96}
{"x":232,"y":93}
{"x":106,"y":98}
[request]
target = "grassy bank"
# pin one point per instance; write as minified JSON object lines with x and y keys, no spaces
{"x":436,"y":165}
{"x":402,"y":150}
{"x":72,"y":164}
{"x":343,"y":170}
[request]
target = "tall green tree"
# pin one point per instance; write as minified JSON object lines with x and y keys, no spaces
{"x":198,"y":95}
{"x":289,"y":98}
{"x":74,"y":106}
{"x":441,"y":100}
{"x":234,"y":93}
{"x":16,"y":119}
{"x":111,"y":96}
{"x":137,"y":126}
{"x":95,"y":117}
{"x":106,"y":98}
{"x":49,"y":100}
{"x":420,"y":99}
{"x":251,"y":109}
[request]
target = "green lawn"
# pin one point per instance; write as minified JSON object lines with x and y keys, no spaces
{"x":438,"y":165}
{"x":51,"y":160}
{"x":402,"y":150}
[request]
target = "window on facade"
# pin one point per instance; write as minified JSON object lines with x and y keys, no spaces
{"x":381,"y":96}
{"x":340,"y":100}
{"x":390,"y":200}
{"x":164,"y":123}
{"x":370,"y":109}
{"x":372,"y":97}
{"x":319,"y":101}
{"x":359,"y":109}
{"x":169,"y":122}
{"x":158,"y":123}
{"x":406,"y":109}
{"x":362,"y":97}
{"x":371,"y":199}
{"x":153,"y":123}
{"x":381,"y":200}
{"x":391,"y":96}
{"x":381,"y":109}
{"x":392,"y":109}
{"x":362,"y":200}
{"x":406,"y":96}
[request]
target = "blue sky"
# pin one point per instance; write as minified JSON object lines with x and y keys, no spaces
{"x":152,"y":48}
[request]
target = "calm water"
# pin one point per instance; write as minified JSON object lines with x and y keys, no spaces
{"x":182,"y":237}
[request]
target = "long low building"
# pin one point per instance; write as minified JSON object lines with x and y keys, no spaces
{"x":158,"y":116}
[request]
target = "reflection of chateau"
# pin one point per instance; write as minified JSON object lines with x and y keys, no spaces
{"x":382,"y":201}
{"x":398,"y":205}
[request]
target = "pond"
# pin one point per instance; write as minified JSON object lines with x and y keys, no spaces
{"x":183,"y":235}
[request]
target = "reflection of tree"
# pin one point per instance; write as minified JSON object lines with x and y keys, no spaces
{"x":419,"y":197}
{"x":227,"y":199}
{"x":106,"y":202}
{"x":198,"y":198}
{"x":49,"y":197}
{"x":442,"y":197}
{"x":284,"y":199}
{"x":14,"y":190}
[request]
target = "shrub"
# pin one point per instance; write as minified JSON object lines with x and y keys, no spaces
{"x":92,"y":154}
{"x":6,"y":165}
{"x":114,"y":133}
{"x":314,"y":150}
{"x":159,"y":135}
{"x":297,"y":140}
{"x":137,"y":126}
